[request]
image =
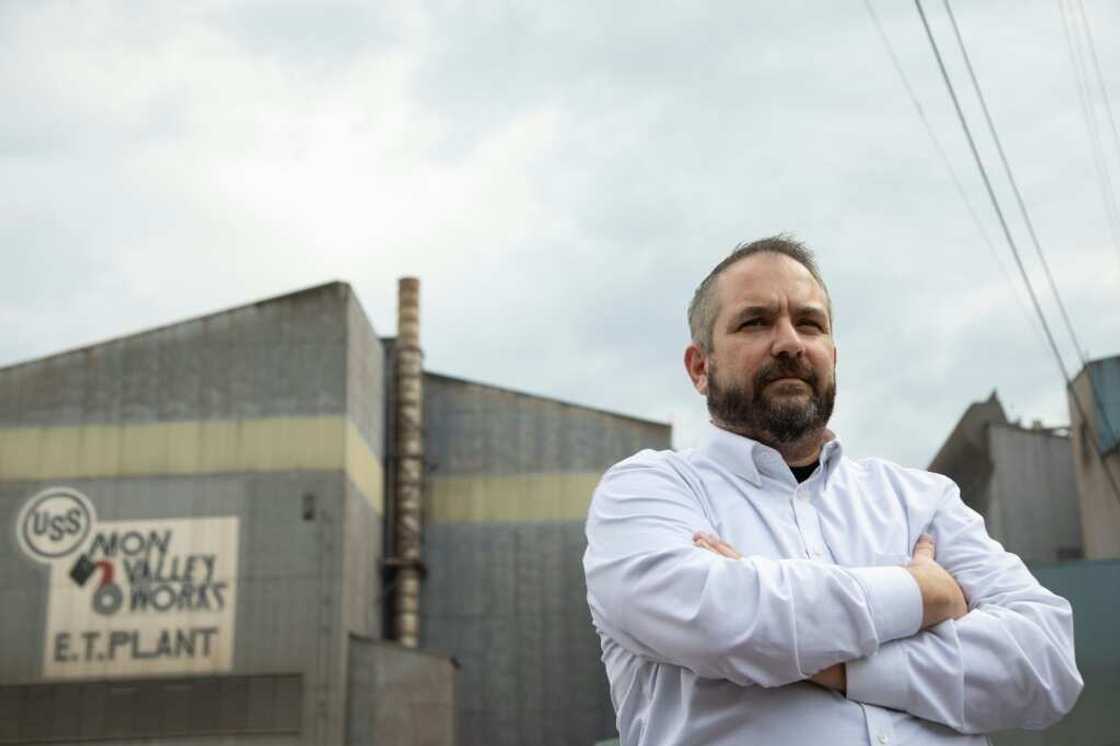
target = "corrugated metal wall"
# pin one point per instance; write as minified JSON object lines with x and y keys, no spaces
{"x":1098,"y":388}
{"x":510,"y":477}
{"x":1105,"y":376}
{"x":1032,"y":494}
{"x":269,"y":414}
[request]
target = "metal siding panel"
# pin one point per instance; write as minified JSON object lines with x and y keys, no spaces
{"x":215,"y":351}
{"x":289,"y":703}
{"x":277,"y":612}
{"x":11,"y":706}
{"x":286,"y":356}
{"x":399,"y":696}
{"x":531,"y":675}
{"x":1089,"y":586}
{"x":93,"y":708}
{"x":1105,"y":379}
{"x":552,"y":689}
{"x":67,"y":712}
{"x":149,"y":704}
{"x":260,"y":713}
{"x":175,"y":711}
{"x":140,"y":380}
{"x":205,"y":705}
{"x":179,"y":390}
{"x":366,"y":377}
{"x":120,"y":707}
{"x":1034,"y":488}
{"x":477,"y":429}
{"x":10,"y":397}
{"x":233,"y":712}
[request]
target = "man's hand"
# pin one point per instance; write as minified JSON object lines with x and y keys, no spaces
{"x":942,"y":597}
{"x":833,"y":677}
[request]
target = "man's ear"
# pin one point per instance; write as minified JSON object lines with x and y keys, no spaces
{"x":696,"y":363}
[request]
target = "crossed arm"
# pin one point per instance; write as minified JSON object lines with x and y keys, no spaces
{"x":942,"y":597}
{"x":1007,"y":662}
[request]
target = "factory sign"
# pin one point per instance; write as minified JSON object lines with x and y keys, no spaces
{"x":130,"y":598}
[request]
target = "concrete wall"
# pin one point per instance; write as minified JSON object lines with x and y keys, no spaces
{"x":509,"y":481}
{"x":270,"y":414}
{"x":1096,"y":453}
{"x":1032,"y":495}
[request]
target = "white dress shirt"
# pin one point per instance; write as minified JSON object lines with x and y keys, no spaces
{"x":702,"y":649}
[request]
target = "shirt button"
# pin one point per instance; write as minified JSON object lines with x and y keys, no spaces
{"x":883,"y":738}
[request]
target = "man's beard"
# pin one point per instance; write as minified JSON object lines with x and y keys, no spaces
{"x":767,"y":419}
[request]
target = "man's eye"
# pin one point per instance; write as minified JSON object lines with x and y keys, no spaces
{"x":751,"y":322}
{"x":812,"y":325}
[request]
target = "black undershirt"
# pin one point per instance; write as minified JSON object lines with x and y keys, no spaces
{"x":801,"y":473}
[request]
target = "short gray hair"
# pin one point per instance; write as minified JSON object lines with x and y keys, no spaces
{"x":704,"y":308}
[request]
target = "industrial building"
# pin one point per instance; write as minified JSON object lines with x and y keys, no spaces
{"x":1050,"y":495}
{"x":269,"y":525}
{"x":1020,"y":479}
{"x":1047,"y":494}
{"x":1094,"y":404}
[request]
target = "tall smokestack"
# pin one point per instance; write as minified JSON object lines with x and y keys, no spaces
{"x":410,"y":465}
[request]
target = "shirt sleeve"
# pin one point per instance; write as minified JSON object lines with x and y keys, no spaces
{"x":751,"y":621}
{"x":1008,"y":663}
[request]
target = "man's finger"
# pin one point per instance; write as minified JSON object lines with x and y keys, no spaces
{"x":924,"y":549}
{"x":703,"y":544}
{"x":727,"y":550}
{"x":715,"y":544}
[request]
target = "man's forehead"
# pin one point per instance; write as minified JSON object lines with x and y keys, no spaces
{"x":768,"y":279}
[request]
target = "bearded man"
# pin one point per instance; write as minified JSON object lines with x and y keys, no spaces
{"x":868,"y":606}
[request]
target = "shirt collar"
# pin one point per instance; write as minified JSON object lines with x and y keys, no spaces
{"x":750,"y":459}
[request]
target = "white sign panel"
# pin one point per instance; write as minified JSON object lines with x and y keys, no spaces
{"x":132,"y":598}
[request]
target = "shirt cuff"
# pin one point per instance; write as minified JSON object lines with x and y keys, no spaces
{"x":894,"y":598}
{"x":882,"y":678}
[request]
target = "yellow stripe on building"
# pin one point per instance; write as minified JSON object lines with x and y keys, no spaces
{"x":512,"y":498}
{"x":191,"y":448}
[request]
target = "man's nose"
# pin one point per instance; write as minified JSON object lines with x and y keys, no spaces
{"x":786,"y":339}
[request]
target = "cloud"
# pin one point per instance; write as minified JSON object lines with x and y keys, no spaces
{"x":560,"y":177}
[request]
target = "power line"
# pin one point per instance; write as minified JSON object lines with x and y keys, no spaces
{"x":1100,"y":159}
{"x":945,"y":160}
{"x":1088,"y":116}
{"x":1007,"y":235}
{"x":1014,"y":184}
{"x":1100,"y":76}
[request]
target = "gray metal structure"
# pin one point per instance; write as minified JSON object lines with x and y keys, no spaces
{"x":1096,"y":448}
{"x":399,"y":696}
{"x":262,"y":438}
{"x":1021,"y":480}
{"x":509,"y":479}
{"x":267,"y":417}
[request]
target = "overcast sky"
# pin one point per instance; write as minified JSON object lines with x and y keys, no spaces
{"x":560,"y":176}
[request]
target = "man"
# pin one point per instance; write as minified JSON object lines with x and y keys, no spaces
{"x":871,"y":607}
